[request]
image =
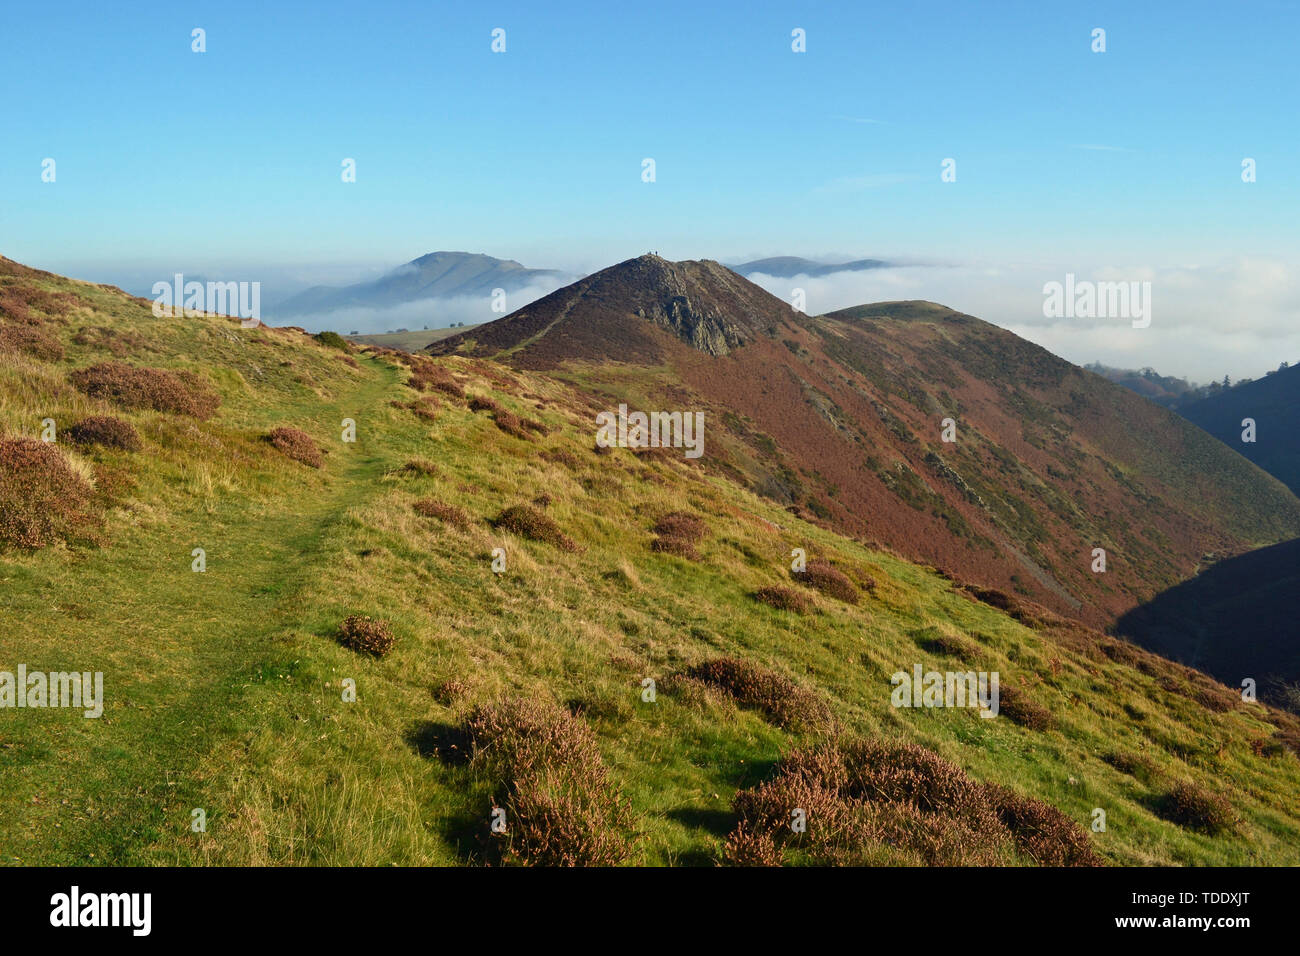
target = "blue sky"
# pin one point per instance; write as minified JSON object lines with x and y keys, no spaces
{"x":1066,"y":159}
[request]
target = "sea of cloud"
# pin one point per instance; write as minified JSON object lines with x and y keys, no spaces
{"x":1239,"y":318}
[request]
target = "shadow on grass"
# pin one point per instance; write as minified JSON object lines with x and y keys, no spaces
{"x":439,"y":741}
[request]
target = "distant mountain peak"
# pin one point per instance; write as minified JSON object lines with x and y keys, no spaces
{"x":617,"y":312}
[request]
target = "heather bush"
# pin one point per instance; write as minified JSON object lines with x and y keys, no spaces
{"x":784,"y":599}
{"x":677,"y":533}
{"x":43,"y":499}
{"x":449,"y":514}
{"x":678,"y":547}
{"x":680,"y":524}
{"x":1138,"y":766}
{"x":31,"y":340}
{"x":870,"y":802}
{"x":778,"y":698}
{"x":561,"y":807}
{"x":106,"y":431}
{"x":366,"y":635}
{"x":828,"y":579}
{"x":130,"y":386}
{"x":481,"y":403}
{"x":1190,"y":806}
{"x":511,"y":424}
{"x":527,"y":522}
{"x":950,"y":645}
{"x":296,"y":444}
{"x":1014,"y":704}
{"x":1041,"y":831}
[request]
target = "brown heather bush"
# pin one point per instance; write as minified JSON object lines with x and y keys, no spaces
{"x":562,"y":456}
{"x":117,"y":341}
{"x":779,"y":699}
{"x":745,"y":847}
{"x":1013,"y":702}
{"x":129,"y":386}
{"x":677,"y":533}
{"x":681,"y":524}
{"x":17,"y":301}
{"x":296,"y":444}
{"x":1190,"y":806}
{"x":784,"y":599}
{"x":543,"y":500}
{"x":878,"y":802}
{"x":42,"y":498}
{"x":434,"y":378}
{"x":830,"y":580}
{"x":31,"y":340}
{"x":366,"y":635}
{"x":106,"y":431}
{"x":511,"y":424}
{"x":448,"y":514}
{"x":1042,"y":832}
{"x":678,"y":547}
{"x":481,"y":403}
{"x":426,"y":407}
{"x":562,"y":808}
{"x":527,"y":522}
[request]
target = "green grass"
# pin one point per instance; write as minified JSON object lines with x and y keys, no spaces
{"x":224,"y":688}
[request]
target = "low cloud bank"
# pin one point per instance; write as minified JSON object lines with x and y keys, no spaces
{"x":1238,"y":318}
{"x":436,"y":313}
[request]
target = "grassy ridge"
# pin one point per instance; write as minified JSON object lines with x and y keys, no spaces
{"x":224,"y":688}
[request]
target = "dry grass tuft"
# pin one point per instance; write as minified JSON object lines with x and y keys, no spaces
{"x":366,"y":635}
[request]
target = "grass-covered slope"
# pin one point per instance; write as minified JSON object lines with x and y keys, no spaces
{"x":941,"y":436}
{"x":523,"y":690}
